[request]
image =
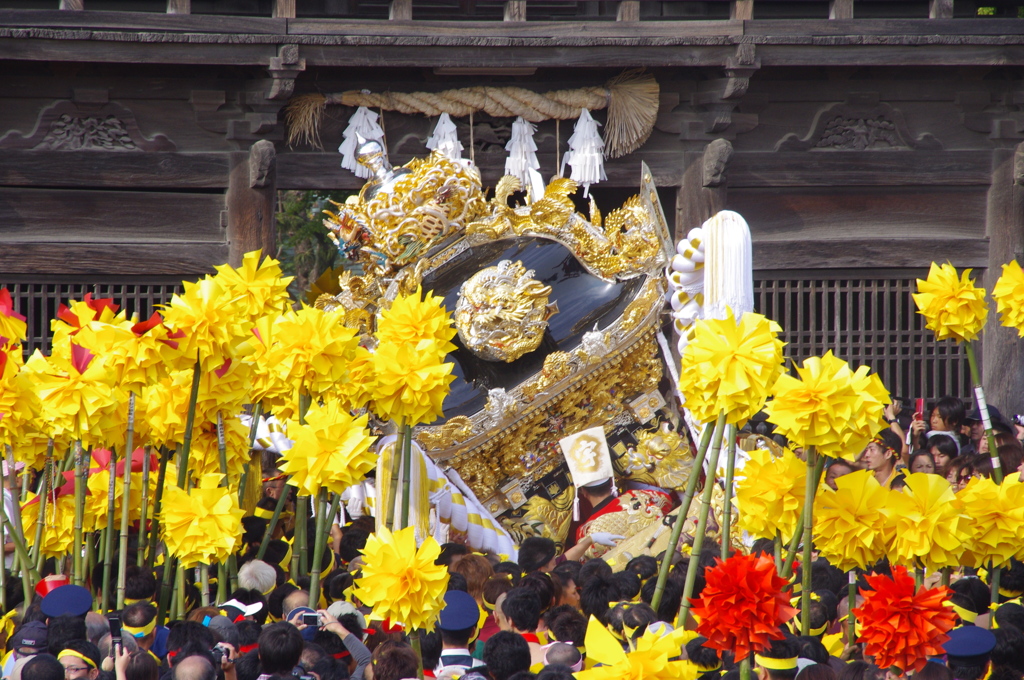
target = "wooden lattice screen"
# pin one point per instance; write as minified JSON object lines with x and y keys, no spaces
{"x":39,"y":300}
{"x":870,"y":321}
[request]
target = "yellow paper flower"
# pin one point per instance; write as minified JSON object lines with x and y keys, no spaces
{"x":358,"y":390}
{"x":849,"y":527}
{"x":995,"y":530}
{"x":58,"y":527}
{"x":770,"y":495}
{"x":1009,"y":296}
{"x":952,"y":307}
{"x":224,"y":390}
{"x":12,"y":325}
{"x":261,"y":287}
{"x":77,"y":396}
{"x":204,"y":457}
{"x":212,"y":319}
{"x":410,"y":385}
{"x":400,"y":582}
{"x":312,"y":349}
{"x":831,"y":407}
{"x":730,"y":367}
{"x":331,"y":450}
{"x":203,"y":525}
{"x":160,"y":411}
{"x":924,"y":523}
{"x":139,"y":353}
{"x":269,"y":387}
{"x":96,"y":505}
{"x":650,"y":659}
{"x":419,"y":321}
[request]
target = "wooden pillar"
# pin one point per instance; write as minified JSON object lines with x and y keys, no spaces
{"x":72,"y":4}
{"x":940,"y":9}
{"x":703,"y":191}
{"x":741,"y":9}
{"x":1002,"y":350}
{"x":840,"y":9}
{"x":515,"y":10}
{"x":179,"y":6}
{"x":284,"y":9}
{"x":400,"y":10}
{"x":252,"y":201}
{"x":629,"y":10}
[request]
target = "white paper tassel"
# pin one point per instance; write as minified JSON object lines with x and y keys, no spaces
{"x":728,"y":266}
{"x":586,"y":153}
{"x":364,"y":123}
{"x":445,"y":138}
{"x":522,"y":152}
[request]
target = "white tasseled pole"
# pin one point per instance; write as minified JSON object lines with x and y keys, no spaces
{"x":586,"y":153}
{"x":522,"y":152}
{"x":364,"y":123}
{"x":445,"y":138}
{"x":728,"y":266}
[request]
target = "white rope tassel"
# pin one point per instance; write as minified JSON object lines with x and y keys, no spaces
{"x":363,"y":123}
{"x":445,"y":138}
{"x":522,"y":151}
{"x":728,"y":266}
{"x":586,"y":153}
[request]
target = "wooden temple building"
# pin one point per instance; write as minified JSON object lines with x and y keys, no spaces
{"x":143,"y":141}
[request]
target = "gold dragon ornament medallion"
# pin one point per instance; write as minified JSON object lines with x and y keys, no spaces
{"x":503,"y":311}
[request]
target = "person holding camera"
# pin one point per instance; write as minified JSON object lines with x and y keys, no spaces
{"x":306,"y":618}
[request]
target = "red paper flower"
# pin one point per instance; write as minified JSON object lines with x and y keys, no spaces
{"x":902,"y":627}
{"x":742,"y":606}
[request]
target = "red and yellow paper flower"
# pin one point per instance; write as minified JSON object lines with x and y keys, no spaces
{"x":203,"y":525}
{"x":924,"y":523}
{"x":995,"y":528}
{"x":952,"y":307}
{"x":849,"y":527}
{"x":212,"y":319}
{"x":742,"y":605}
{"x":652,"y":657}
{"x":12,"y":325}
{"x":1009,"y":296}
{"x":58,"y":522}
{"x":770,"y":494}
{"x":730,"y":367}
{"x":332,"y":450}
{"x":829,"y":406}
{"x":400,"y":582}
{"x":901,"y":627}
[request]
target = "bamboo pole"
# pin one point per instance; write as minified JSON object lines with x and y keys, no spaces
{"x":730,"y":470}
{"x":204,"y":584}
{"x":851,"y":602}
{"x":979,"y":396}
{"x":318,"y":546}
{"x":810,"y":487}
{"x":161,"y":477}
{"x":677,"y":528}
{"x":391,"y":498}
{"x":702,"y":522}
{"x":273,"y":520}
{"x":122,"y":554}
{"x":186,"y":445}
{"x":798,"y":531}
{"x":406,"y":474}
{"x":76,"y":565}
{"x":140,"y":556}
{"x":107,"y":546}
{"x":28,"y":575}
{"x":257,"y":412}
{"x":44,"y":485}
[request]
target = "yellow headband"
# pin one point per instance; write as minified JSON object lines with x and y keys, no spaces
{"x":83,"y":657}
{"x":128,"y":601}
{"x":708,"y":669}
{"x":141,"y":631}
{"x":818,"y":631}
{"x":1011,"y":594}
{"x":965,"y":614}
{"x":263,"y":513}
{"x":775,"y":664}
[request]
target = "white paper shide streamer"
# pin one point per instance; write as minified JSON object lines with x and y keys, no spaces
{"x":522,"y":158}
{"x":728,"y":266}
{"x":363,"y":123}
{"x":586,"y":153}
{"x":445,"y":138}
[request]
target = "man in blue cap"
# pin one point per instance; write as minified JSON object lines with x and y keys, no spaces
{"x":69,"y":600}
{"x":458,"y":625}
{"x":968,"y":652}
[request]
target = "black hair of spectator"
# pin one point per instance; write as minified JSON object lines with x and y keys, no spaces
{"x":568,"y":625}
{"x":830,"y":602}
{"x":189,"y":631}
{"x":1009,"y":649}
{"x":248,"y":632}
{"x":510,"y":568}
{"x":280,"y":646}
{"x":699,"y":653}
{"x":763,"y":546}
{"x":139,"y":583}
{"x":1010,"y":614}
{"x":430,"y":648}
{"x":85,"y":648}
{"x":671,"y":597}
{"x":505,"y":654}
{"x":817,"y":671}
{"x":812,"y":648}
{"x":786,"y":648}
{"x":329,"y":668}
{"x":644,"y":566}
{"x":247,"y":666}
{"x":275,"y":602}
{"x":252,"y":596}
{"x":351,"y":623}
{"x":394,"y":661}
{"x":859,"y":670}
{"x":457,"y":581}
{"x":42,"y":667}
{"x":329,"y":642}
{"x":597,"y":594}
{"x":522,"y":675}
{"x":934,"y":670}
{"x":826,"y":577}
{"x":448,"y":553}
{"x":555,"y":672}
{"x":593,"y":568}
{"x":522,"y":607}
{"x":569,"y":568}
{"x":975,"y":589}
{"x":1012,"y":577}
{"x":535,"y":552}
{"x":952,"y":410}
{"x":627,"y":585}
{"x":61,"y":630}
{"x":541,"y":584}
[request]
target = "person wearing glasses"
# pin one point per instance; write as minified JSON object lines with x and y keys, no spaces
{"x":81,"y":660}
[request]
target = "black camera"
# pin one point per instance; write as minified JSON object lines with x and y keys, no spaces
{"x":218,"y":655}
{"x":311,"y":620}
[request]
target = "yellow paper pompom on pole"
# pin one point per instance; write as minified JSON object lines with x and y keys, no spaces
{"x":995,"y":531}
{"x":770,"y":494}
{"x":414,"y":319}
{"x":849,"y":527}
{"x":331,"y":450}
{"x":924,"y":523}
{"x":1009,"y":296}
{"x":202,"y":525}
{"x":400,"y":582}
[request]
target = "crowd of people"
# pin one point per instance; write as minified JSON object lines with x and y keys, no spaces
{"x":502,"y":620}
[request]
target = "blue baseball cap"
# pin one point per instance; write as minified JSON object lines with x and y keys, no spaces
{"x":69,"y":600}
{"x":460,"y":611}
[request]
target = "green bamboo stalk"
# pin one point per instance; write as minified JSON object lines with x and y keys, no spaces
{"x":300,"y":560}
{"x":810,"y":487}
{"x":778,"y":551}
{"x":677,"y":528}
{"x":257,"y":412}
{"x":318,"y":547}
{"x":702,"y":521}
{"x":186,"y":444}
{"x":222,"y":449}
{"x":944,"y":576}
{"x":108,"y":534}
{"x":273,"y":519}
{"x":414,"y":640}
{"x":851,"y":601}
{"x":730,"y":470}
{"x":140,"y":557}
{"x":406,"y":474}
{"x":222,"y":582}
{"x":996,"y":574}
{"x":745,"y":669}
{"x":787,"y":567}
{"x":78,"y":575}
{"x":232,"y":572}
{"x":161,"y":478}
{"x":44,"y":484}
{"x":122,"y":555}
{"x":389,"y":521}
{"x":204,"y":584}
{"x":28,"y":575}
{"x":179,"y":594}
{"x":979,"y":395}
{"x":165,"y":601}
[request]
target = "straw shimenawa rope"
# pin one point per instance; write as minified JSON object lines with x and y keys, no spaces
{"x":631,"y":98}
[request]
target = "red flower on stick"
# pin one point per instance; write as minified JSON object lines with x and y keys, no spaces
{"x":742,"y":606}
{"x":901,"y":627}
